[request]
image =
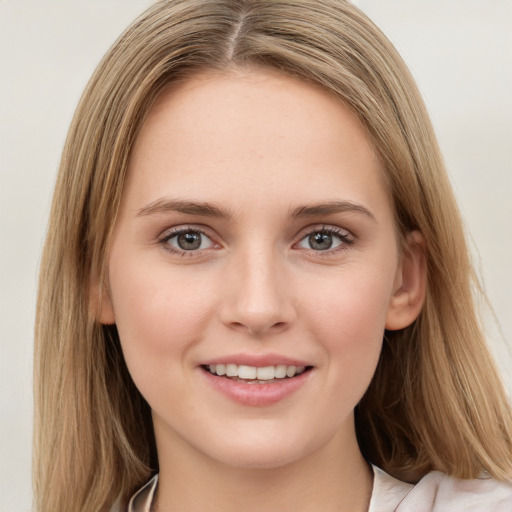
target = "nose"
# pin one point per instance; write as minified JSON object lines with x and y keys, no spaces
{"x":256,"y":298}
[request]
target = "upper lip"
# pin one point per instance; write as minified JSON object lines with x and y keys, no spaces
{"x":258,"y":360}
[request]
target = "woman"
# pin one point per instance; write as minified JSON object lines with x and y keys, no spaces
{"x":256,"y":280}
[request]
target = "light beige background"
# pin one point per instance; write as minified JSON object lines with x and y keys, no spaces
{"x":460,"y":52}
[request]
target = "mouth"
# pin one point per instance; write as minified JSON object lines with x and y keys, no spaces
{"x":256,"y":374}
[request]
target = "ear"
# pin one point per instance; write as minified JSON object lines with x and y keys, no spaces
{"x":101,"y":302}
{"x":410,"y":284}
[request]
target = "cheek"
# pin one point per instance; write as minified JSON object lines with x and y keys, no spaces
{"x":350,"y":301}
{"x":347,"y":316}
{"x":159,"y":315}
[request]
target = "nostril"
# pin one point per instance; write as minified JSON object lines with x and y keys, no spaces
{"x":258,"y":328}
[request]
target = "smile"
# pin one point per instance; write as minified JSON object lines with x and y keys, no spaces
{"x":255,"y":374}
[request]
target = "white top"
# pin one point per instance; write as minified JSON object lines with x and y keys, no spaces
{"x":435,"y":492}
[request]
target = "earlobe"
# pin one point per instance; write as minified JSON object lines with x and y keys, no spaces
{"x":101,"y":303}
{"x":409,"y":295}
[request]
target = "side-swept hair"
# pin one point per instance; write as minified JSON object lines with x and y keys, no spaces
{"x":436,"y":401}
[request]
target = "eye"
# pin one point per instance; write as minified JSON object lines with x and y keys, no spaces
{"x":187,"y":240}
{"x":326,"y":239}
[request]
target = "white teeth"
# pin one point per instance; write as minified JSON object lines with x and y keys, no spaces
{"x":266,"y":373}
{"x":280,"y":371}
{"x":290,"y":371}
{"x":247,"y":372}
{"x":232,"y":370}
{"x":252,"y":373}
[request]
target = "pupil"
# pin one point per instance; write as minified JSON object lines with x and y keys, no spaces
{"x":189,"y":241}
{"x":320,"y":241}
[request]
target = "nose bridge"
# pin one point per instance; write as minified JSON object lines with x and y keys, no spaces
{"x":257,"y":298}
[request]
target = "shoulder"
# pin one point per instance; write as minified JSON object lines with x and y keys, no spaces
{"x":438,"y":492}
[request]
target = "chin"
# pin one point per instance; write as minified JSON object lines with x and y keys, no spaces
{"x":263,"y":452}
{"x":258,"y":459}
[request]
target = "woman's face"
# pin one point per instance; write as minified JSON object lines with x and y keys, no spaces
{"x":255,"y":237}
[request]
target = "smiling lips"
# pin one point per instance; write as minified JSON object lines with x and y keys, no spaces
{"x":273,"y":377}
{"x":255,"y":374}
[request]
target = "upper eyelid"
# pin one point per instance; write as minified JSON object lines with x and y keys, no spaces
{"x":176,"y":230}
{"x":205,"y":229}
{"x":330,"y":228}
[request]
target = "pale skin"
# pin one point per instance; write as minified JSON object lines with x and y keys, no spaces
{"x":296,"y":256}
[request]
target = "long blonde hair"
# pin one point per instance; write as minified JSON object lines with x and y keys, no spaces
{"x":435,"y":402}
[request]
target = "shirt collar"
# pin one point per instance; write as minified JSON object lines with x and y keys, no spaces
{"x":141,"y":501}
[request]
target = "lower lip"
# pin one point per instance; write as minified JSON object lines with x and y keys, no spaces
{"x":257,"y":395}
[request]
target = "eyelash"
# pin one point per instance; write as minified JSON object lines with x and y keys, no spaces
{"x":176,"y":232}
{"x":345,"y":238}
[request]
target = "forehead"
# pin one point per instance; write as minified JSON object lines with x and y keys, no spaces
{"x":252,"y":131}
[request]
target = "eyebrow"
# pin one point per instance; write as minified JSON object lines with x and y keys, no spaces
{"x":206,"y":209}
{"x":330,"y":208}
{"x":188,"y":207}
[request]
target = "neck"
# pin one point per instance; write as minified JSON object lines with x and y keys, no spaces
{"x":335,"y":478}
